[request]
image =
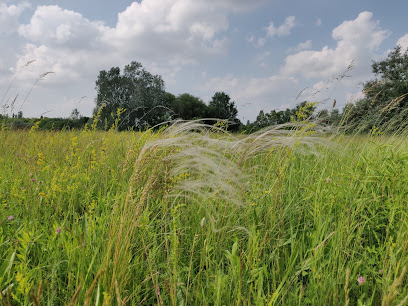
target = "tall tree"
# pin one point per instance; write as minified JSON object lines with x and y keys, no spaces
{"x":136,"y":90}
{"x":386,"y":97}
{"x":188,"y":107}
{"x":393,"y":72}
{"x":221,"y":107}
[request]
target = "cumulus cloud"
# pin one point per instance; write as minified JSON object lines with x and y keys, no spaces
{"x":356,"y":41}
{"x":55,"y":27}
{"x":403,"y":42}
{"x":170,"y":33}
{"x":63,"y":42}
{"x":165,"y":33}
{"x":9,"y":16}
{"x":302,"y":46}
{"x":283,"y":30}
{"x":179,"y":30}
{"x":271,"y":31}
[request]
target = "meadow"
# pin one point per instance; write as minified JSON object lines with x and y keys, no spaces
{"x":192,"y":215}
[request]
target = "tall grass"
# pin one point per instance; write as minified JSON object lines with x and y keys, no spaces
{"x":193,"y":215}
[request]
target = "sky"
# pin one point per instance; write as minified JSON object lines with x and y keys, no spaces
{"x":266,"y":54}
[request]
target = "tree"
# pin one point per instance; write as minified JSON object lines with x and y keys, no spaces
{"x":386,"y":98}
{"x":394,"y":76}
{"x":188,"y":107}
{"x":136,"y":90}
{"x":220,"y":107}
{"x":75,"y":115}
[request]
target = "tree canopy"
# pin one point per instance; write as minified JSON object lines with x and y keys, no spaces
{"x":188,"y":107}
{"x":222,"y":107}
{"x":385,"y":102}
{"x":138,"y":91}
{"x":137,"y":99}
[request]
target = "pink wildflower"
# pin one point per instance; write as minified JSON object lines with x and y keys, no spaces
{"x":10,"y":218}
{"x":361,"y":280}
{"x":58,"y":230}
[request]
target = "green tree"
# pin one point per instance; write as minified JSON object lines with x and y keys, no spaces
{"x":385,"y":102}
{"x":221,"y":107}
{"x":393,"y":73}
{"x":136,"y":90}
{"x":188,"y":107}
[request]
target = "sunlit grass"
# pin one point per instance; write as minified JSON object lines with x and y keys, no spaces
{"x":181,"y":217}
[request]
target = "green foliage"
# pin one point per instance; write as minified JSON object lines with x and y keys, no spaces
{"x":136,"y":90}
{"x":44,"y":123}
{"x":302,"y":111}
{"x":188,"y":107}
{"x":221,"y":107}
{"x":147,"y":104}
{"x":386,"y":99}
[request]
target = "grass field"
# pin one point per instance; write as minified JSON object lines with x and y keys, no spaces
{"x":177,"y":217}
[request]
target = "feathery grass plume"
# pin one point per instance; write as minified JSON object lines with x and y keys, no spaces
{"x":284,"y":135}
{"x":213,"y":160}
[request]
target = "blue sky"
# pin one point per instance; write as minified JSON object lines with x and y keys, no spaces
{"x":262,"y":53}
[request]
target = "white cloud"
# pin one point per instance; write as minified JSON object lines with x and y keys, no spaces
{"x":356,"y":41}
{"x":169,"y":33}
{"x":302,"y":46}
{"x":283,"y":30}
{"x":305,"y":45}
{"x":318,"y":22}
{"x":165,"y":33}
{"x":179,"y":30}
{"x":271,"y":31}
{"x":9,"y":16}
{"x":403,"y":42}
{"x":55,"y":27}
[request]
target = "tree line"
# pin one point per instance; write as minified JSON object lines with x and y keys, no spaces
{"x":385,"y":102}
{"x":383,"y":106}
{"x":137,"y":99}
